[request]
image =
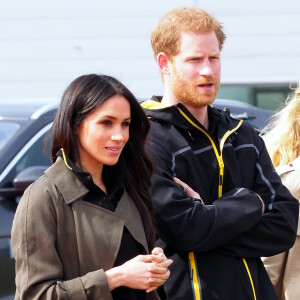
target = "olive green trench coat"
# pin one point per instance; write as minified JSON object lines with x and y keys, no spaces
{"x":62,"y":244}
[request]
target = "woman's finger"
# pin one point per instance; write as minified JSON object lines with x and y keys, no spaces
{"x":151,"y":289}
{"x":157,"y":251}
{"x":158,"y":270}
{"x":164,"y":264}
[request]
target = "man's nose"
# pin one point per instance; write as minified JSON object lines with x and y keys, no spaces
{"x":206,"y":68}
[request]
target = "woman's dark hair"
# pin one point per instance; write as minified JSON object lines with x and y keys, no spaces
{"x":81,"y":97}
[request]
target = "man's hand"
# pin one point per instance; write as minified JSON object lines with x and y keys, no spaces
{"x":189,"y":191}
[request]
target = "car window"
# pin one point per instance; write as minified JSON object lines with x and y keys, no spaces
{"x":7,"y":130}
{"x":34,"y":156}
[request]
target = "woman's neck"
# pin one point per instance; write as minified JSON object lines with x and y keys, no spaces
{"x":96,"y":173}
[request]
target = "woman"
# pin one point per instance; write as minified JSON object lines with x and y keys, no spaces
{"x":83,"y":230}
{"x":282,"y":138}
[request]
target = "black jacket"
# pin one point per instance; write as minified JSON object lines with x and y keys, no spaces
{"x":216,"y":247}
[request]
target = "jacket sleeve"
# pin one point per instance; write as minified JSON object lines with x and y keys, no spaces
{"x":290,"y":176}
{"x":276,"y":230}
{"x":39,"y":271}
{"x":291,"y":179}
{"x":186,"y":224}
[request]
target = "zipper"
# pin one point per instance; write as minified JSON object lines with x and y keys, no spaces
{"x":195,"y":278}
{"x":219,"y":156}
{"x":250,"y":277}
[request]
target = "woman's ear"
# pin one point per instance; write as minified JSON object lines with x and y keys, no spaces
{"x":163,"y":63}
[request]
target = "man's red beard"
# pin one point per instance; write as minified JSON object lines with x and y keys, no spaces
{"x":189,"y":93}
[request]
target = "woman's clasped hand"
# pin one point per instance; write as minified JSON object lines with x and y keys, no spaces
{"x":145,"y":272}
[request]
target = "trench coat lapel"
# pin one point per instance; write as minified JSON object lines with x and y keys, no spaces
{"x":94,"y":224}
{"x":127,"y":210}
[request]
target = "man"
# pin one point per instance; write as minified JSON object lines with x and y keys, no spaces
{"x":218,"y":202}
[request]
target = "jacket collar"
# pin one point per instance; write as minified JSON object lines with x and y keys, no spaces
{"x":66,"y":181}
{"x":157,"y":111}
{"x":112,"y":177}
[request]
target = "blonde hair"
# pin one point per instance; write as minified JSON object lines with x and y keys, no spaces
{"x":282,"y":135}
{"x":166,"y":36}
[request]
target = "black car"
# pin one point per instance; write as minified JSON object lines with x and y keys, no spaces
{"x":23,"y":126}
{"x":257,"y":117}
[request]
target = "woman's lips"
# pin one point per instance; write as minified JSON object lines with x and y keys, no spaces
{"x":114,"y":149}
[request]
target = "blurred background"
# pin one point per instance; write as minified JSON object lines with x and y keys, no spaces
{"x":44,"y":45}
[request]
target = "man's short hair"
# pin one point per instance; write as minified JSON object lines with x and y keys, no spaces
{"x":166,"y":36}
